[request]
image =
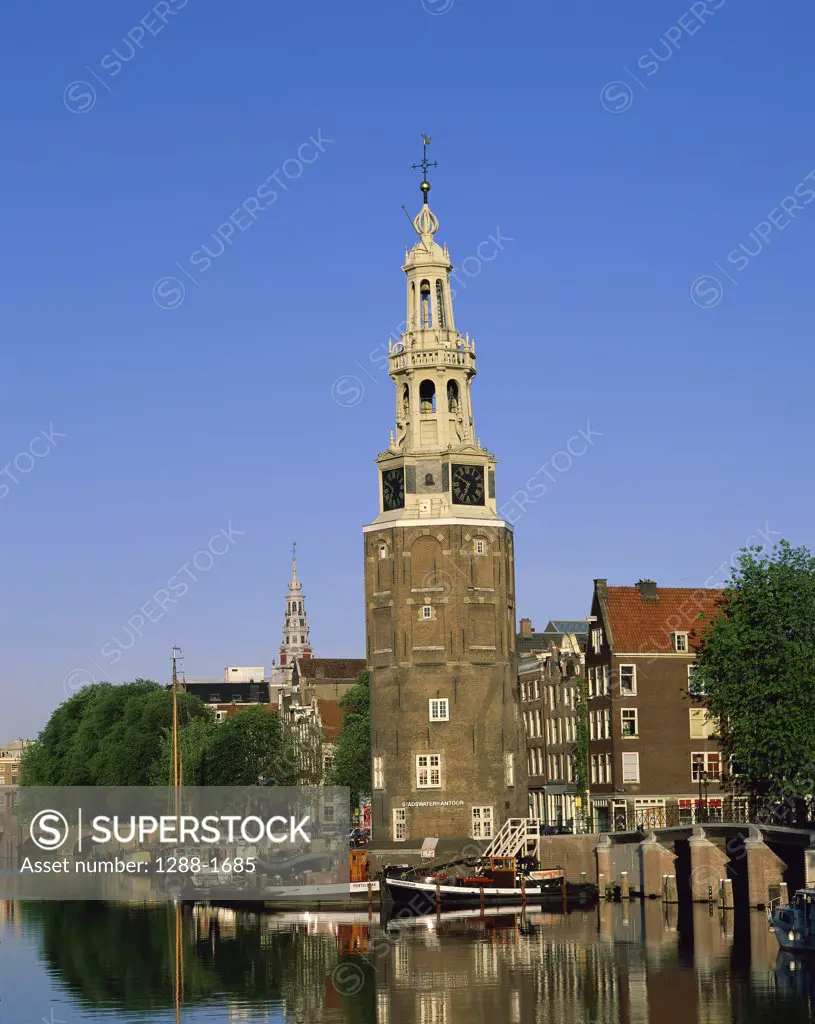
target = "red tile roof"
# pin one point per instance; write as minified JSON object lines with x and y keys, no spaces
{"x":332,"y":717}
{"x":646,"y":625}
{"x":331,"y":668}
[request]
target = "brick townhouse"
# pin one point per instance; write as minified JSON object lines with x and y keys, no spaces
{"x":550,"y":664}
{"x":653,"y":755}
{"x":10,"y":761}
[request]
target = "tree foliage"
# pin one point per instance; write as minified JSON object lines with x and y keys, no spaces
{"x":351,"y":763}
{"x":105,"y":735}
{"x":243,"y":750}
{"x":756,"y":664}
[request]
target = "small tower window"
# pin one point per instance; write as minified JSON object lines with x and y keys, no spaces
{"x":383,"y":550}
{"x":427,"y":396}
{"x":480,"y":547}
{"x":406,"y":401}
{"x":442,"y":319}
{"x":426,"y":305}
{"x":427,"y":611}
{"x":452,"y":396}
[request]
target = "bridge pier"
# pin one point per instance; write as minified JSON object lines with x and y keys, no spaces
{"x":655,"y":862}
{"x":764,"y":869}
{"x":708,"y":865}
{"x":605,"y":867}
{"x":809,"y":867}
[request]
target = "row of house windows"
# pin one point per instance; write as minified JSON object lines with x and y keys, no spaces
{"x":428,"y":771}
{"x":709,"y":762}
{"x":532,"y":691}
{"x":600,"y":681}
{"x":702,"y":725}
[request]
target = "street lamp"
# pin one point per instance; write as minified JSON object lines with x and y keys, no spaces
{"x":703,"y":782}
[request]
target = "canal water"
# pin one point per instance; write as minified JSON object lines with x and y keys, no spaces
{"x":632,"y":964}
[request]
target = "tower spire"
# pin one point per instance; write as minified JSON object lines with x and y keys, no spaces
{"x":296,"y":644}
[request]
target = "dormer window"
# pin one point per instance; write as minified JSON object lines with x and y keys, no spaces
{"x":680,"y":643}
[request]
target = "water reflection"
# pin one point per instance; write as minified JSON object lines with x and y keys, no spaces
{"x":623,"y":963}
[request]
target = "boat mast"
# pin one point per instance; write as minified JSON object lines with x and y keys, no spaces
{"x":177,"y":764}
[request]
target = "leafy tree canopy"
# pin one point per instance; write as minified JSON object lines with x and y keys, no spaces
{"x":756,"y":664}
{"x":351,"y":763}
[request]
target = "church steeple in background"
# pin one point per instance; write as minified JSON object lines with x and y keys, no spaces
{"x":296,"y":644}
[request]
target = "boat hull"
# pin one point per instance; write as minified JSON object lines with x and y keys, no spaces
{"x":421,"y":895}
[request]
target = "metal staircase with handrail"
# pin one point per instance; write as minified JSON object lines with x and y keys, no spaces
{"x":517,"y":835}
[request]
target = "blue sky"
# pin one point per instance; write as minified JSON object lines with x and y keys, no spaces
{"x":629,"y":159}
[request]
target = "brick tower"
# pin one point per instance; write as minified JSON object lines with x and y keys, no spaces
{"x":447,"y":740}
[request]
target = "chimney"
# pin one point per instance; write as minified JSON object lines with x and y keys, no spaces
{"x":526,"y":627}
{"x":648,"y":590}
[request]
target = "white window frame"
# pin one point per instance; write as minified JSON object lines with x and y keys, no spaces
{"x":480,"y":546}
{"x":592,"y":681}
{"x":597,"y":639}
{"x":633,"y":691}
{"x":441,"y":707}
{"x":630,"y":767}
{"x":629,"y":715}
{"x":428,"y":769}
{"x":399,"y":824}
{"x":481,"y":822}
{"x":607,"y":759}
{"x":695,"y":689}
{"x":706,"y":755}
{"x":509,"y":770}
{"x":378,"y":771}
{"x":383,"y":551}
{"x":427,"y":611}
{"x":683,"y":637}
{"x":705,"y":724}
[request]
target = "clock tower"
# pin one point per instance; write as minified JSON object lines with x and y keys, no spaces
{"x":447,"y":743}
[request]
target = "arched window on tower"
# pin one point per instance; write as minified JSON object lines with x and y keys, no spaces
{"x":406,"y":401}
{"x":427,"y":309}
{"x":412,"y":303}
{"x":427,"y":396}
{"x":440,"y":314}
{"x":452,"y":396}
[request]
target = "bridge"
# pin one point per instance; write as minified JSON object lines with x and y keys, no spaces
{"x":747,"y":863}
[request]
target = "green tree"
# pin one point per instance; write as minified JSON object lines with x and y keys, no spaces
{"x":194,"y":740}
{"x":581,"y":746}
{"x":105,"y":735}
{"x":351,"y":763}
{"x":244,"y":750}
{"x":756,"y":667}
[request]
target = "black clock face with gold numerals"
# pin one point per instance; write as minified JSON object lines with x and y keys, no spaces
{"x":468,"y":485}
{"x":393,"y":489}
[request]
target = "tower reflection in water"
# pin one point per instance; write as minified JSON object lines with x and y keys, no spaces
{"x":636,"y":963}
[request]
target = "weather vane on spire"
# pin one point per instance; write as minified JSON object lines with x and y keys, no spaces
{"x":425,"y":165}
{"x":294,"y":551}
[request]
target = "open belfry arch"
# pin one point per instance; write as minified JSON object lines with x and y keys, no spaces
{"x":447,"y":738}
